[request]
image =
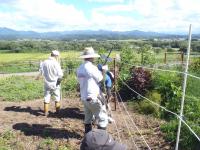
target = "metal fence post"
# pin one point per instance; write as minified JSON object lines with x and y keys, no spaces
{"x":184,"y":88}
{"x":165,"y":59}
{"x":115,"y":98}
{"x":182,"y":57}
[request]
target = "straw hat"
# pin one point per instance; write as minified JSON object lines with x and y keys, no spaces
{"x":89,"y":53}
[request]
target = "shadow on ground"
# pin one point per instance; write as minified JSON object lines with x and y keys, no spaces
{"x":38,"y":112}
{"x":74,"y":113}
{"x":45,"y":130}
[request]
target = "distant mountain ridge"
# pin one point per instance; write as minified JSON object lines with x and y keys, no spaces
{"x":10,"y":34}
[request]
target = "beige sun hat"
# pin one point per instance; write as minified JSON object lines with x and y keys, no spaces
{"x":89,"y":53}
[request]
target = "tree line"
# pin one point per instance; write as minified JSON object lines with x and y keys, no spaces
{"x":18,"y":46}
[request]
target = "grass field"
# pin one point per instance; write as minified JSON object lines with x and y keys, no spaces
{"x":20,"y":88}
{"x":29,"y":62}
{"x":15,"y":57}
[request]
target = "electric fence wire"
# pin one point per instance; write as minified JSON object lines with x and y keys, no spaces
{"x":117,"y":130}
{"x":129,"y":131}
{"x":118,"y":134}
{"x":133,"y":122}
{"x":165,"y":70}
{"x":180,"y":117}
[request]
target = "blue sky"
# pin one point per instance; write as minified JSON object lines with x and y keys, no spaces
{"x":169,"y":16}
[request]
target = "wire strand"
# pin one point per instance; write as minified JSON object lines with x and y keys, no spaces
{"x":165,"y":70}
{"x":180,"y":117}
{"x":117,"y":130}
{"x":134,"y":122}
{"x":127,"y":126}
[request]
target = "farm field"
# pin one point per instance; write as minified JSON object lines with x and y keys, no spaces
{"x":15,"y":57}
{"x":143,"y":88}
{"x":29,"y":62}
{"x":22,"y":97}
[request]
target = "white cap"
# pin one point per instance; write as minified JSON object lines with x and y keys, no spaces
{"x":89,"y":53}
{"x":55,"y":53}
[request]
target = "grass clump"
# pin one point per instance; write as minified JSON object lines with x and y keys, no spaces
{"x":69,"y":85}
{"x":8,"y":141}
{"x":51,"y":144}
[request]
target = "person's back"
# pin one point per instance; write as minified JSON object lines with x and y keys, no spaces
{"x":108,"y":81}
{"x":51,"y":71}
{"x":89,"y":76}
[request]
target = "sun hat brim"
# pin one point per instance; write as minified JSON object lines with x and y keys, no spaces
{"x":90,"y":56}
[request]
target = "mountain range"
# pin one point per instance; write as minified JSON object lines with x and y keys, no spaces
{"x":10,"y":34}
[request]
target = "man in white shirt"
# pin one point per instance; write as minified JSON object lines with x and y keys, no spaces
{"x":89,"y":77}
{"x":52,"y":73}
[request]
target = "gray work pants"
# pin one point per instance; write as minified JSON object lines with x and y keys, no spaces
{"x":95,"y":108}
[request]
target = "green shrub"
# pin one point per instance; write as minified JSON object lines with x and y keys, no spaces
{"x":148,"y":108}
{"x":169,"y":86}
{"x":69,"y":85}
{"x":70,"y":65}
{"x":194,"y":66}
{"x":187,"y":140}
{"x":147,"y":55}
{"x":134,"y":105}
{"x":192,"y":109}
{"x":128,"y":57}
{"x":170,"y":130}
{"x":20,"y":88}
{"x":193,"y":85}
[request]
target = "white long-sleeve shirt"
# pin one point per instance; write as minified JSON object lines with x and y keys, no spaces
{"x":51,"y":70}
{"x":88,"y":77}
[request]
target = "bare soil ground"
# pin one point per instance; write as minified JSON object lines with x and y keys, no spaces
{"x":33,"y":131}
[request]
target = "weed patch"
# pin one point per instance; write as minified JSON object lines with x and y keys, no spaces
{"x":20,"y":89}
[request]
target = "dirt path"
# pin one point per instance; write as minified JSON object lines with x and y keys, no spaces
{"x":34,"y":131}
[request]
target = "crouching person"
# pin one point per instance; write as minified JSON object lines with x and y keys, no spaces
{"x":89,"y":77}
{"x":100,"y":140}
{"x":52,"y":73}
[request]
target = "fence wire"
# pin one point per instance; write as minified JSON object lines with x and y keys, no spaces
{"x":178,"y":116}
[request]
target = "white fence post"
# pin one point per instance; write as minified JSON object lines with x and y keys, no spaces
{"x":184,"y":88}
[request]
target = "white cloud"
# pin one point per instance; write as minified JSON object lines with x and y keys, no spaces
{"x":45,"y":15}
{"x":110,"y":22}
{"x":157,"y":15}
{"x":147,"y":15}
